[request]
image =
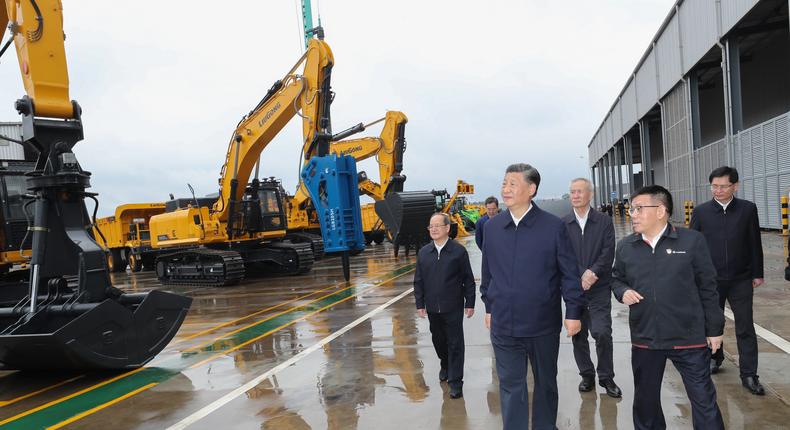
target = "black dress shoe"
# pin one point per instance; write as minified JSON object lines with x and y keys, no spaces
{"x":587,"y":384}
{"x":443,"y":375}
{"x":752,"y":383}
{"x":612,"y":390}
{"x":456,"y":392}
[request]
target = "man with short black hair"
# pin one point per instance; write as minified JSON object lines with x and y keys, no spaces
{"x":731,"y":228}
{"x":666,"y":277}
{"x":492,"y":208}
{"x":528,"y":266}
{"x":444,"y":290}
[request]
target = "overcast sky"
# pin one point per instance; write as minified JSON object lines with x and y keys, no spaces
{"x":162,"y":84}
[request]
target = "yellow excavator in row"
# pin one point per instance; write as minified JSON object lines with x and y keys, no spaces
{"x":67,"y":314}
{"x":246,"y":227}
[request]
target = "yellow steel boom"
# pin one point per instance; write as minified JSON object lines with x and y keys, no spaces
{"x":37,"y":29}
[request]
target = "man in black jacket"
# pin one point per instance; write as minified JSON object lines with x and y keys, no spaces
{"x":444,"y":289}
{"x":666,"y":277}
{"x":592,"y":236}
{"x":732,"y":229}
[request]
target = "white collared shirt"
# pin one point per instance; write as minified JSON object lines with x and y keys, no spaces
{"x":439,"y":247}
{"x":654,"y":241}
{"x":724,"y":205}
{"x":518,"y":220}
{"x":582,"y":221}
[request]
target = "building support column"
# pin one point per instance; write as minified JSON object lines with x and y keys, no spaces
{"x":644,"y":145}
{"x":619,"y":169}
{"x":731,"y":68}
{"x":629,"y":163}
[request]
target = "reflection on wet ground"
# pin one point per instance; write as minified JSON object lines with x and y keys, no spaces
{"x":382,"y":373}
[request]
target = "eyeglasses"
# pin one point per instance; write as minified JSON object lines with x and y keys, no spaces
{"x":635,"y":210}
{"x":436,"y":227}
{"x":720,"y":187}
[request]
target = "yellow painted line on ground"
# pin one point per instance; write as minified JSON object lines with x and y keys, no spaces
{"x":100,"y":407}
{"x":274,"y":330}
{"x":227,"y":323}
{"x":70,"y":396}
{"x":5,"y":403}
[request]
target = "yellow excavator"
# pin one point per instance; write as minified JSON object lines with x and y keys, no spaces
{"x":67,"y":314}
{"x":245,"y":228}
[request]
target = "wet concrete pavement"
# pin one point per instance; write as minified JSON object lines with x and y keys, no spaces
{"x":382,"y":373}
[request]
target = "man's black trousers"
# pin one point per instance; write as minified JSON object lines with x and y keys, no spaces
{"x":693,"y":364}
{"x":596,"y":320}
{"x":447,"y":333}
{"x":740,"y":294}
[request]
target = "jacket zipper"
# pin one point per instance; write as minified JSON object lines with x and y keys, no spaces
{"x":726,"y":251}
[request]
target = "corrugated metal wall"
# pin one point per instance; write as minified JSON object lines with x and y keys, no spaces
{"x":670,"y":71}
{"x":677,"y":152}
{"x":705,"y":160}
{"x":698,"y":29}
{"x":686,"y":38}
{"x":646,"y":94}
{"x":762,"y":157}
{"x":11,"y":150}
{"x":733,"y":10}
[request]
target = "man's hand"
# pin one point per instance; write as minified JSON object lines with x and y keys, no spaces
{"x":714,"y":343}
{"x":488,"y":321}
{"x":588,"y":279}
{"x":469,"y":312}
{"x":757,"y":282}
{"x":573,"y":327}
{"x":422,"y":312}
{"x":631,"y":297}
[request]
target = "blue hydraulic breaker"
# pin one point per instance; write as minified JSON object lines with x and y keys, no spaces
{"x":332,"y":184}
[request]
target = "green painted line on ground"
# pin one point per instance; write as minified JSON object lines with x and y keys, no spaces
{"x":64,"y":410}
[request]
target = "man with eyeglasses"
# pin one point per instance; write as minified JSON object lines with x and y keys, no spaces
{"x":732,"y":229}
{"x":666,"y":277}
{"x":592,"y":236}
{"x":528,"y":266}
{"x":444,"y":290}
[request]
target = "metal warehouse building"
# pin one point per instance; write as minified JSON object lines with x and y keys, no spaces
{"x":712,"y":89}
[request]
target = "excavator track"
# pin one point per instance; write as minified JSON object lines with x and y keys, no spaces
{"x":201,"y":267}
{"x":297,"y":258}
{"x":315,"y":240}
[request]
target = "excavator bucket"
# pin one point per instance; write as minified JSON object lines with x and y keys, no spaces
{"x":121,"y":333}
{"x":68,"y":315}
{"x":406,"y":216}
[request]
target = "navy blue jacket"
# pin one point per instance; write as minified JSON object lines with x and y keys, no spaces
{"x":526,"y":268}
{"x":733,"y":238}
{"x":479,"y":230}
{"x":443,"y":281}
{"x":595,"y":248}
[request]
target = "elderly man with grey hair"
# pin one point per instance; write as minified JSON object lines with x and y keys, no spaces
{"x":592,"y":235}
{"x":528,"y":267}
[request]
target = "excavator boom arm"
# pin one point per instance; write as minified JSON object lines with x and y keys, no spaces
{"x":37,"y":30}
{"x":304,"y":92}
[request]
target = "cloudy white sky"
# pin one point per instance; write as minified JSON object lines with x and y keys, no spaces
{"x":484,"y":84}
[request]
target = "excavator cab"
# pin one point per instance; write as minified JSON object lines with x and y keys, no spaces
{"x":261,"y":208}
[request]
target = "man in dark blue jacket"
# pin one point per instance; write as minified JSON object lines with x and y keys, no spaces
{"x":592,"y":235}
{"x":444,"y":289}
{"x":492,"y":208}
{"x":528,"y":265}
{"x":666,"y":277}
{"x":732,"y":229}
